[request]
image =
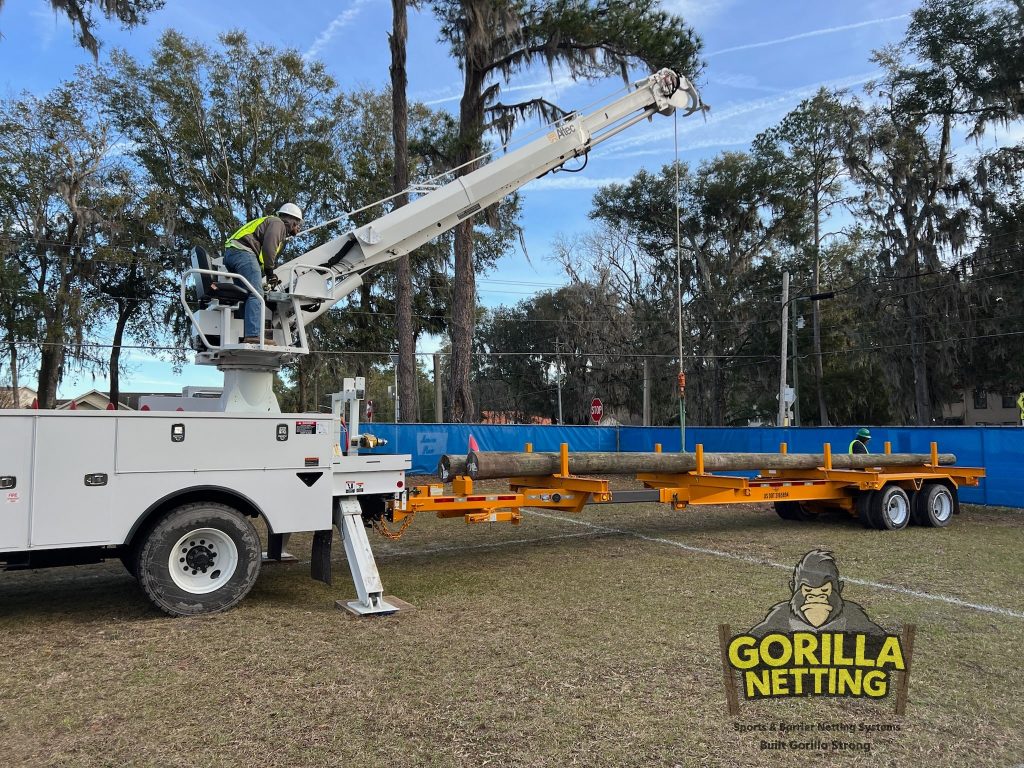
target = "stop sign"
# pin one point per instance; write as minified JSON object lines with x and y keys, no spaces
{"x":596,"y":410}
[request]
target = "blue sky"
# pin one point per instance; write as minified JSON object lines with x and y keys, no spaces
{"x":762,"y":60}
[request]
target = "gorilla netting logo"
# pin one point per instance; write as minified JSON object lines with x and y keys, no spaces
{"x":816,"y":643}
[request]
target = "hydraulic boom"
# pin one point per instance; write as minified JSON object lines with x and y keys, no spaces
{"x":313,"y":282}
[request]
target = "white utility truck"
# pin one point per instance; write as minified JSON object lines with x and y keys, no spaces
{"x":174,"y":494}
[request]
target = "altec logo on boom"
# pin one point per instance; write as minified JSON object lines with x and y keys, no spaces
{"x":816,"y":644}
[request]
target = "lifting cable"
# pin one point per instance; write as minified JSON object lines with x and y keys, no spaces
{"x":679,"y":292}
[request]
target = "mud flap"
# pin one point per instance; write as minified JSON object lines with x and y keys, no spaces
{"x":275,"y":546}
{"x":320,"y":564}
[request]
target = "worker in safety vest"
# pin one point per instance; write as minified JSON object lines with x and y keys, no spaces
{"x":860,"y":442}
{"x":251,"y":252}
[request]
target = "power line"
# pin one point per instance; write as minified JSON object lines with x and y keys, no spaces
{"x":534,"y":353}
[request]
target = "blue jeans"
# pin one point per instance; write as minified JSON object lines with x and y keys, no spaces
{"x":246,"y":265}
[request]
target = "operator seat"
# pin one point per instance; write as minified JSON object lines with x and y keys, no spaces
{"x":208,"y":290}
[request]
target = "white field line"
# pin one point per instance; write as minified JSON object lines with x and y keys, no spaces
{"x":756,"y":561}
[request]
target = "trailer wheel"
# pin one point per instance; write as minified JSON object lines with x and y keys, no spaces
{"x":201,"y":558}
{"x":862,"y":504}
{"x":890,"y":508}
{"x":934,"y":505}
{"x":794,"y":510}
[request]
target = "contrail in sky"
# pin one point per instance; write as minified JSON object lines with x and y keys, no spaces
{"x":340,"y":21}
{"x":812,"y":33}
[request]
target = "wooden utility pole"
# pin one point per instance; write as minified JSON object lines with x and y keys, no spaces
{"x":438,"y":389}
{"x":647,"y":392}
{"x":782,"y":360}
{"x":488,"y":465}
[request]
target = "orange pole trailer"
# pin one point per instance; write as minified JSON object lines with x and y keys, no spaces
{"x":882,"y":497}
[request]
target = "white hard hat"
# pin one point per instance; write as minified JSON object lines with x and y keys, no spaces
{"x":291,"y":209}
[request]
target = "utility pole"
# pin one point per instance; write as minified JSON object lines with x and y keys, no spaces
{"x":797,"y":324}
{"x":782,"y":360}
{"x":438,"y":401}
{"x":647,"y":392}
{"x":398,"y":399}
{"x":558,"y":378}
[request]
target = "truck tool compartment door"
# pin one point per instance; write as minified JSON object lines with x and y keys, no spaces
{"x":74,"y":457}
{"x":15,"y":481}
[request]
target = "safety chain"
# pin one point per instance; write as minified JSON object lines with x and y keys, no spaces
{"x":382,"y":528}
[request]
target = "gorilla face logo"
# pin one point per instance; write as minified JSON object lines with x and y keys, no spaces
{"x":817,"y":603}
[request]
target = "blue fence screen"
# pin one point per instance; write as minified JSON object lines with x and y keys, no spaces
{"x":1000,"y":450}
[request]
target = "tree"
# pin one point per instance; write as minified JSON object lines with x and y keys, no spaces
{"x":966,"y":62}
{"x":494,"y":40}
{"x":407,"y":385}
{"x":232,"y":132}
{"x":135,"y":280}
{"x":906,"y":197}
{"x":19,"y":307}
{"x":80,"y":13}
{"x":514,"y":375}
{"x":229,"y":134}
{"x":582,"y":333}
{"x":731,"y":221}
{"x":959,"y":63}
{"x":57,"y":160}
{"x":808,"y":147}
{"x":631,"y":292}
{"x":988,"y":279}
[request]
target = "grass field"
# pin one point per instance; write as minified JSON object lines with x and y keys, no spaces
{"x":587,"y":640}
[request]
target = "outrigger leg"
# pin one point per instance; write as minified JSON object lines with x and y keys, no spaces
{"x":348,"y":517}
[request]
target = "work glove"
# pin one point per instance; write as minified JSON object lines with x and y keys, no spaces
{"x":273,"y":282}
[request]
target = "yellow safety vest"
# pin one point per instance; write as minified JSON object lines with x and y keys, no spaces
{"x":850,"y":449}
{"x":235,"y":241}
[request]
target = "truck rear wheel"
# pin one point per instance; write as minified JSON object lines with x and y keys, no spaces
{"x":200,"y":558}
{"x":933,"y":505}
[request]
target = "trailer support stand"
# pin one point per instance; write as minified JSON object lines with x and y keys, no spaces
{"x":348,"y":517}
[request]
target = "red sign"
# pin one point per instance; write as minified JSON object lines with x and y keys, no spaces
{"x":596,"y":410}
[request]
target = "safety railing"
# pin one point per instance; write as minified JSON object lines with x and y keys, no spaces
{"x":226,"y":310}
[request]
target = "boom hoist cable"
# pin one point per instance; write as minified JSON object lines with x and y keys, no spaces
{"x":679,"y":294}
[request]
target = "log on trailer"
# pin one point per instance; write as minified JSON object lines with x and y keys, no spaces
{"x":451,"y":466}
{"x":485,"y":465}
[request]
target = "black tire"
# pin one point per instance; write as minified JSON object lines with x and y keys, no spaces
{"x":862,"y":505}
{"x":794,"y":510}
{"x":193,"y":537}
{"x":934,"y":505}
{"x":890,"y":508}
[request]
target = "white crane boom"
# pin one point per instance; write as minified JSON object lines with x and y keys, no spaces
{"x":313,"y":282}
